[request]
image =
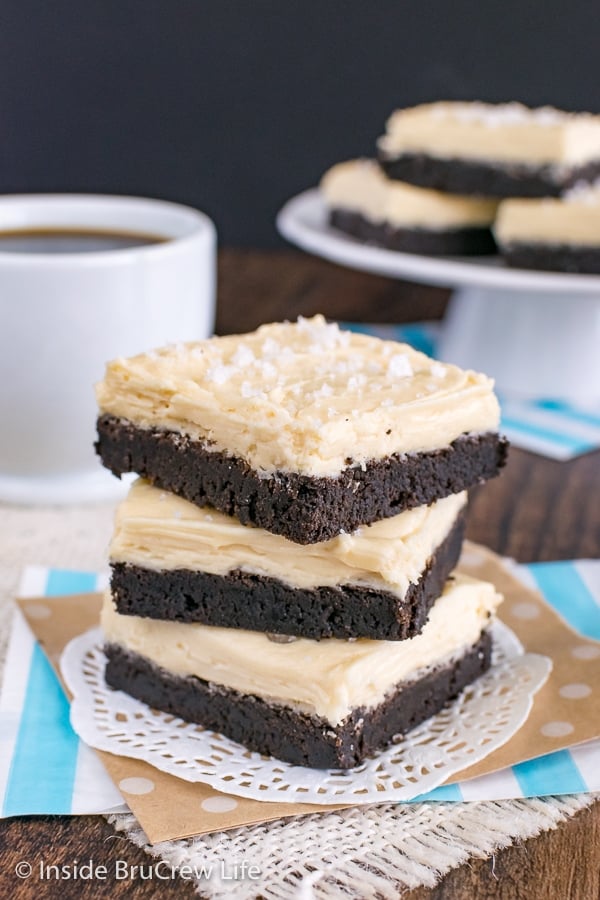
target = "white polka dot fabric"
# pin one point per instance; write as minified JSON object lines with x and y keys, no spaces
{"x":565,"y":765}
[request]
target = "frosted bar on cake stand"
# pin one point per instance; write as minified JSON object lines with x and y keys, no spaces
{"x":536,"y":333}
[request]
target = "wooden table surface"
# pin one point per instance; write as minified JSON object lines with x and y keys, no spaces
{"x":537,"y":510}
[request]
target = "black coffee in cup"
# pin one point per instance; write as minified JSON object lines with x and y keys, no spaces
{"x":72,"y":240}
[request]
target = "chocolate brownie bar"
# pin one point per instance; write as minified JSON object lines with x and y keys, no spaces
{"x":553,"y":257}
{"x":486,"y":179}
{"x":291,"y":735}
{"x":500,"y":150}
{"x":319,"y":703}
{"x":301,"y":429}
{"x":303,"y":508}
{"x":449,"y":242}
{"x":172,"y":560}
{"x":366,"y":204}
{"x":560,"y":235}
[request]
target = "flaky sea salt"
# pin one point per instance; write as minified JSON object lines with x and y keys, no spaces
{"x":500,"y":114}
{"x":438,"y":370}
{"x":357,"y":381}
{"x":270,"y":347}
{"x":268,"y":370}
{"x":324,"y":391}
{"x":248,"y":390}
{"x":399,"y":366}
{"x":219,"y":374}
{"x":322,"y":334}
{"x":341,"y":368}
{"x":286,"y":355}
{"x":243,"y":356}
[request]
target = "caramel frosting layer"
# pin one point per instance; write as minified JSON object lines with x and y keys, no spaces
{"x":329,"y":677}
{"x":505,"y":132}
{"x":573,"y":219}
{"x":160,"y":531}
{"x":301,"y":397}
{"x":361,"y":186}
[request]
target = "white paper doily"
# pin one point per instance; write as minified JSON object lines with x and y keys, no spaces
{"x":482,"y":718}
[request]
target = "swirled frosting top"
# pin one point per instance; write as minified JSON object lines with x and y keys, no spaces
{"x":360,"y":185}
{"x":158,"y":530}
{"x":329,"y":677}
{"x":508,"y":132}
{"x":573,"y":219}
{"x":302,"y":397}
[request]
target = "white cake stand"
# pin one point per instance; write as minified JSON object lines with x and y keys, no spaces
{"x":537,"y":333}
{"x":96,"y":486}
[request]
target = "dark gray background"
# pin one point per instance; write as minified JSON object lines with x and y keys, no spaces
{"x":234,"y":105}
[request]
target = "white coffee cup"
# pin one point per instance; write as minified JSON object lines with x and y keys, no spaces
{"x":64,"y":314}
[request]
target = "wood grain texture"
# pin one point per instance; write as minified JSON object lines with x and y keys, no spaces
{"x":258,"y":286}
{"x":558,"y":865}
{"x":537,"y":510}
{"x":61,"y":841}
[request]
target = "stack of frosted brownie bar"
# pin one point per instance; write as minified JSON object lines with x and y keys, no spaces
{"x":447,"y":174}
{"x":281,"y":571}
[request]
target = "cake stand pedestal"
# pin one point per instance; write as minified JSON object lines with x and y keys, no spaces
{"x":534,"y":344}
{"x":536,"y":333}
{"x":96,"y":486}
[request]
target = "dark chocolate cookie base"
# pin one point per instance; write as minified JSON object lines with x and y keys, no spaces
{"x":553,"y":257}
{"x":280,"y":731}
{"x":303,"y":508}
{"x":260,"y":603}
{"x":451,"y":242}
{"x":486,"y":179}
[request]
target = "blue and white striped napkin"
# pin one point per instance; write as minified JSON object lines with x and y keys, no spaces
{"x":36,"y":736}
{"x":573,"y":590}
{"x":44,"y":767}
{"x":548,"y":427}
